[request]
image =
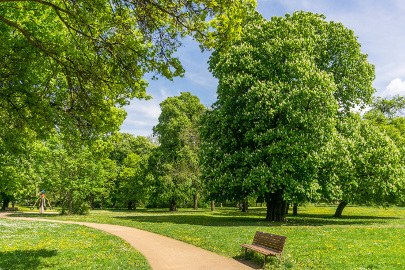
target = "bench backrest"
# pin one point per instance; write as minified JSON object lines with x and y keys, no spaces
{"x":268,"y":240}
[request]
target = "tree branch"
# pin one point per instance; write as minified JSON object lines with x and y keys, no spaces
{"x":26,"y":35}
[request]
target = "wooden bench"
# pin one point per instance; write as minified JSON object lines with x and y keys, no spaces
{"x":266,"y":244}
{"x":11,"y":208}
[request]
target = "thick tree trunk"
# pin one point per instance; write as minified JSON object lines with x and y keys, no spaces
{"x":196,"y":201}
{"x":287,"y":208}
{"x":276,"y":206}
{"x":6,"y":201}
{"x":129,"y":207}
{"x":295,"y":209}
{"x":340,"y":208}
{"x":173,"y":205}
{"x":245,"y":206}
{"x":212,"y":205}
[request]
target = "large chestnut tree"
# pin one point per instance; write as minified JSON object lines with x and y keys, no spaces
{"x":281,"y":89}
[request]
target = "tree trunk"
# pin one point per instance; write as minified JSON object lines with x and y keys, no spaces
{"x":173,"y":205}
{"x":220,"y":205}
{"x":212,"y":205}
{"x":287,"y":207}
{"x":195,"y":201}
{"x":340,"y":208}
{"x":6,"y":201}
{"x":295,"y":209}
{"x":276,"y":206}
{"x":245,"y":206}
{"x":129,"y":207}
{"x":101,"y":205}
{"x":134,"y":203}
{"x":92,"y":202}
{"x":70,"y":205}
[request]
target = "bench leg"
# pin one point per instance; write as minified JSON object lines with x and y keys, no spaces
{"x":264,"y":264}
{"x":245,"y":252}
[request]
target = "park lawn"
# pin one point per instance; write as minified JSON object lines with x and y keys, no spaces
{"x":364,"y":238}
{"x":41,"y":245}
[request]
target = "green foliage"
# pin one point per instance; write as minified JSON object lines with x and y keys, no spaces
{"x":74,"y":64}
{"x":385,"y":115}
{"x":131,"y":155}
{"x":388,"y":107}
{"x":176,"y":161}
{"x":20,"y":169}
{"x":279,"y":91}
{"x":76,"y":176}
{"x":361,"y":165}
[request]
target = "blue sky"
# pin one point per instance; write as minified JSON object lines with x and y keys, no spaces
{"x":378,"y":24}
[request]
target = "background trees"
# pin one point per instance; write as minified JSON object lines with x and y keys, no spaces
{"x":362,"y":166}
{"x":70,"y":66}
{"x":176,"y":162}
{"x":131,"y":155}
{"x":279,"y":91}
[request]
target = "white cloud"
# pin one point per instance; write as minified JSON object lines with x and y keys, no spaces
{"x":203,"y":78}
{"x":142,"y":116}
{"x":396,"y":87}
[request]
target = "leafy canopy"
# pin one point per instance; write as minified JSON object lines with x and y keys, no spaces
{"x":176,"y":161}
{"x":280,"y":88}
{"x":74,"y":64}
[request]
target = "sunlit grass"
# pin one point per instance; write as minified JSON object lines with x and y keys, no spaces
{"x":41,"y":245}
{"x":364,"y":238}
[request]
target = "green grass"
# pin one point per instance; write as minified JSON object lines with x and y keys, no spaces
{"x":28,"y":245}
{"x":364,"y":238}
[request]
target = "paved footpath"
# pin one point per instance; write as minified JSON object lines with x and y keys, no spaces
{"x":162,"y":253}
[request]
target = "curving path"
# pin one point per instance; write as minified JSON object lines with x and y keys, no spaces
{"x":162,"y":253}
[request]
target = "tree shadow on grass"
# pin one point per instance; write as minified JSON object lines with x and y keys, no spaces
{"x":33,"y":215}
{"x":227,"y":219}
{"x":26,"y":259}
{"x":306,"y":219}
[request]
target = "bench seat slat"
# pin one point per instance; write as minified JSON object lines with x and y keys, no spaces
{"x":262,"y":250}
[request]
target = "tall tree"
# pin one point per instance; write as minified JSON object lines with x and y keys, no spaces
{"x":76,"y":175}
{"x":74,"y":64}
{"x":131,"y":155}
{"x":177,"y":157}
{"x":279,"y":91}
